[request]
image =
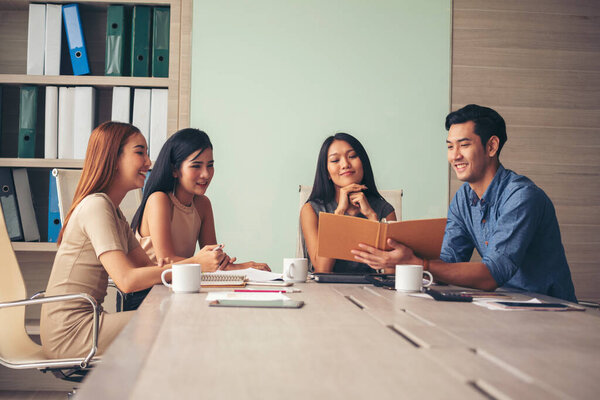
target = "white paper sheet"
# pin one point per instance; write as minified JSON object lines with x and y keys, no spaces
{"x":246,"y":296}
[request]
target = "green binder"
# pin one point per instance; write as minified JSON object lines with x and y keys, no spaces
{"x":140,"y":41}
{"x":160,"y":42}
{"x":117,"y":41}
{"x":27,"y":121}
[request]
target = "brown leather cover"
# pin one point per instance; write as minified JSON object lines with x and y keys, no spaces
{"x":338,"y":234}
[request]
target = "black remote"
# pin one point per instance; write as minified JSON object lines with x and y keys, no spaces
{"x":448,"y":296}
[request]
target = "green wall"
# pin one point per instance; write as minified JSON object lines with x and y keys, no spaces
{"x":271,"y":79}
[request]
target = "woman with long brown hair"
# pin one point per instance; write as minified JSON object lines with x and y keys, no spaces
{"x":96,"y":242}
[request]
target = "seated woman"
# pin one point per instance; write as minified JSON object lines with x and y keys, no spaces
{"x":175,"y":214}
{"x":96,"y":241}
{"x":344,"y":185}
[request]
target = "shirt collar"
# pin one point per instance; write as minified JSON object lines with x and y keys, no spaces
{"x":491,"y":192}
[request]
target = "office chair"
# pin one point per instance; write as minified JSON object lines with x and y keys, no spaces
{"x":394,"y":197}
{"x":66,"y":183}
{"x":17,"y":349}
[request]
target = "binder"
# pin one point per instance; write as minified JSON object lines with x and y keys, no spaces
{"x":140,"y":41}
{"x":158,"y":121}
{"x":84,"y":103}
{"x":65,"y":122}
{"x":160,"y":42}
{"x":27,"y":121}
{"x":121,"y":104}
{"x":339,"y":234}
{"x":36,"y":32}
{"x":8,"y":199}
{"x":118,"y":52}
{"x":54,"y":224}
{"x":141,"y":112}
{"x":53,"y":39}
{"x":51,"y":124}
{"x":75,"y":39}
{"x":31,"y":233}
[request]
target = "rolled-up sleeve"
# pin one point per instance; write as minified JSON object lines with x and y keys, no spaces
{"x":515,"y":228}
{"x":457,"y":245}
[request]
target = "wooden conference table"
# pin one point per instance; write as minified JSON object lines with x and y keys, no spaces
{"x":347,"y":342}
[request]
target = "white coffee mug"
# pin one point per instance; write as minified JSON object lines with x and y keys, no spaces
{"x":409,"y":278}
{"x":185,"y":278}
{"x":295,"y":269}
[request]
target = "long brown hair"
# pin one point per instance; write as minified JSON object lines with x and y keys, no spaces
{"x":99,"y":168}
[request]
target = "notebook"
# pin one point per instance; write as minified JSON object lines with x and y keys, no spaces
{"x":223,"y":280}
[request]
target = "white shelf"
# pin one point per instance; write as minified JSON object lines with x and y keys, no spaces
{"x":40,"y":163}
{"x":34,"y":246}
{"x":83,"y":80}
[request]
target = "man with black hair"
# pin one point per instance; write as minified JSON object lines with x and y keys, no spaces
{"x":505,"y":216}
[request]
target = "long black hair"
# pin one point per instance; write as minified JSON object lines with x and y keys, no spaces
{"x":323,"y":189}
{"x":175,"y":150}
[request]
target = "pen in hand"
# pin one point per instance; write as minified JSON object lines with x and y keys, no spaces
{"x":219,"y":247}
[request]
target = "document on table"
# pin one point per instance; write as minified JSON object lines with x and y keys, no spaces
{"x":251,"y":274}
{"x":246,"y":296}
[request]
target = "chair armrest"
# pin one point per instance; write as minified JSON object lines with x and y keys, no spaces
{"x":121,"y":295}
{"x":38,"y":294}
{"x":65,"y":297}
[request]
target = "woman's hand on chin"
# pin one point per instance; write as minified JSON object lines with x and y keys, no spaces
{"x":344,"y":202}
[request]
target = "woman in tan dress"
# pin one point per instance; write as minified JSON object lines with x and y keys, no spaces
{"x":96,"y":242}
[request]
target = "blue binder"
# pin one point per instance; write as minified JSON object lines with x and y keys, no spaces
{"x":79,"y":58}
{"x":54,"y":224}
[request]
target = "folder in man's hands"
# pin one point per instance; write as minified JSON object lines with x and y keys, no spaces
{"x":339,"y":234}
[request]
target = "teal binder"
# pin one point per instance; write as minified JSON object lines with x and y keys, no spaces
{"x":27,"y":121}
{"x":140,"y":41}
{"x":54,"y":224}
{"x":117,"y":41}
{"x":160,"y":42}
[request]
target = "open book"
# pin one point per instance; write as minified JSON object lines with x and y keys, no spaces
{"x":338,"y":234}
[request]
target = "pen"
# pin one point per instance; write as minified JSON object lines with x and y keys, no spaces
{"x":219,"y":247}
{"x":267,"y":291}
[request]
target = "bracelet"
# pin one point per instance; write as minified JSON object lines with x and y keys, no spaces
{"x":425,"y":264}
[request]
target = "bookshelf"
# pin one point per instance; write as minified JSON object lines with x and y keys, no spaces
{"x":36,"y":258}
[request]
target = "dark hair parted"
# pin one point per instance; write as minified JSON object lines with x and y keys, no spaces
{"x":488,"y":123}
{"x":175,"y":150}
{"x":323,"y":190}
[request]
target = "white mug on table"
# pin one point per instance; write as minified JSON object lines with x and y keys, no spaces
{"x":185,"y":278}
{"x":295,"y":269}
{"x":409,"y":278}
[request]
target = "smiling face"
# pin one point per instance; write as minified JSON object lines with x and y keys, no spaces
{"x":133,"y":163}
{"x":194,"y":175}
{"x":472,"y":162}
{"x":343,"y":164}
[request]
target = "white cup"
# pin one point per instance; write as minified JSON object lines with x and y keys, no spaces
{"x":186,"y":278}
{"x":295,"y":269}
{"x":409,"y":278}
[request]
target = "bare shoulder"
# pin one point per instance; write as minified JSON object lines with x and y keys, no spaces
{"x":159,"y":200}
{"x":307,"y":211}
{"x":202,"y":204}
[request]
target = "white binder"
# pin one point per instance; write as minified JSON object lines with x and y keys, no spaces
{"x":121,"y":104}
{"x":141,"y":112}
{"x":51,"y":123}
{"x":31,"y":233}
{"x":36,"y":32}
{"x":158,"y":120}
{"x":84,"y":103}
{"x":53,"y":39}
{"x":65,"y":122}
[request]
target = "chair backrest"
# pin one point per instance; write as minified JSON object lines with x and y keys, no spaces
{"x":66,"y":183}
{"x":394,"y":197}
{"x":14,"y":341}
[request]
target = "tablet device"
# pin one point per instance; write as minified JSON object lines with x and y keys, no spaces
{"x":340,"y":278}
{"x":257,"y":303}
{"x":514,"y":304}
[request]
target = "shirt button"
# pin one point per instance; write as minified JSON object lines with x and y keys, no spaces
{"x":483,"y":221}
{"x":486,"y":242}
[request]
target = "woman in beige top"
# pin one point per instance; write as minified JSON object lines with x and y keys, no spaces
{"x":175,"y":213}
{"x":96,"y":242}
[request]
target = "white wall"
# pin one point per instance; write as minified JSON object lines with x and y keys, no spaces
{"x":271,"y":79}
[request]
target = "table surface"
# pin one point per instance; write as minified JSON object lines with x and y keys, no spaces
{"x":348,"y":341}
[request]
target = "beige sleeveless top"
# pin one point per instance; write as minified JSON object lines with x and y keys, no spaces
{"x":185,"y":228}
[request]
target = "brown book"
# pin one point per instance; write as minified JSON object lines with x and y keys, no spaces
{"x":338,"y":234}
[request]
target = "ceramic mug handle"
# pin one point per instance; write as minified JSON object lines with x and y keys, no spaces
{"x":162,"y":277}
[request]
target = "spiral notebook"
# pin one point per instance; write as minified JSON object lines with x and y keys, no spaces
{"x":213,"y":279}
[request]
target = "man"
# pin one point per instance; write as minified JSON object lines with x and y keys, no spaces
{"x":505,"y":216}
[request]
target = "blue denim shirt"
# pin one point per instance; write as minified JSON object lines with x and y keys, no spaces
{"x":515,"y":230}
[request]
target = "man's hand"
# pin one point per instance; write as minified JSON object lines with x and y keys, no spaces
{"x":378,"y":259}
